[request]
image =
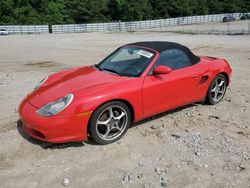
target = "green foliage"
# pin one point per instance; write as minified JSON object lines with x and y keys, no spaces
{"x":86,"y":11}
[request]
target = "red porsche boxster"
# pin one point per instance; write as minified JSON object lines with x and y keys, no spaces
{"x":136,"y":81}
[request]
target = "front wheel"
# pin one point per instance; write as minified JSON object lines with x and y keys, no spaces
{"x":217,"y":89}
{"x":109,"y":122}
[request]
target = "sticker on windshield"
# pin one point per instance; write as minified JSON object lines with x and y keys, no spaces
{"x":145,"y":53}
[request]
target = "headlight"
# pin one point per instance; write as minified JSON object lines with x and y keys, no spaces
{"x":41,"y":83}
{"x":55,"y":107}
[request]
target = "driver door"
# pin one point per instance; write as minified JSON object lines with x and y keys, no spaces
{"x":167,"y":91}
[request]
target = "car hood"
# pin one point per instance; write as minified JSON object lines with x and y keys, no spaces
{"x":63,"y":83}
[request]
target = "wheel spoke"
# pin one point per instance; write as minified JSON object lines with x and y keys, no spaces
{"x":120,"y":116}
{"x":215,"y":96}
{"x":213,"y":90}
{"x":107,"y":132}
{"x":117,"y":127}
{"x":111,"y":114}
{"x":221,"y":83}
{"x":216,"y":84}
{"x":103,"y":122}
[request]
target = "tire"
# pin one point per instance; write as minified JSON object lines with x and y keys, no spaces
{"x":109,"y":122}
{"x":217,"y":89}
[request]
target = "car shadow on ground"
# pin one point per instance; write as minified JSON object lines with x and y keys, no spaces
{"x":46,"y":145}
{"x":158,"y":116}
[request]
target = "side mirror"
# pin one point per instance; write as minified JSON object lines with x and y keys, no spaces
{"x":162,"y":70}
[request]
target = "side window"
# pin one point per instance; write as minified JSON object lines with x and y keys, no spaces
{"x":174,"y":58}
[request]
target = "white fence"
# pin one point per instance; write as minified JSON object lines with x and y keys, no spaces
{"x":138,"y":25}
{"x":26,"y":29}
{"x":117,"y":26}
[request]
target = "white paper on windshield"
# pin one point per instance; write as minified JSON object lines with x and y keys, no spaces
{"x":145,"y":53}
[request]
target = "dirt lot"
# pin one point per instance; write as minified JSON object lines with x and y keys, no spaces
{"x":195,"y":146}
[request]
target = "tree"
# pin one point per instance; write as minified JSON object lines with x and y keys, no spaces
{"x":86,"y":11}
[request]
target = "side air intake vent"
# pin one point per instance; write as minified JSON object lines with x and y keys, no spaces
{"x":203,"y":79}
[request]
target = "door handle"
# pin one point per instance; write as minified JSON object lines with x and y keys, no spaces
{"x":194,"y":76}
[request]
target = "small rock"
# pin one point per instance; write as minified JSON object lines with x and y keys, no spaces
{"x":175,"y":135}
{"x":66,"y":182}
{"x":215,"y":117}
{"x":161,"y":171}
{"x":153,"y":127}
{"x":164,"y":182}
{"x":127,"y":178}
{"x":162,"y":159}
{"x":241,"y":167}
{"x":158,"y":170}
{"x":225,"y":167}
{"x":206,"y":166}
{"x":240,"y":132}
{"x":141,"y":164}
{"x":66,"y":169}
{"x":197,"y":153}
{"x":140,"y":176}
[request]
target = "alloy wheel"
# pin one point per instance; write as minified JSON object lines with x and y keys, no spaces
{"x":111,"y":123}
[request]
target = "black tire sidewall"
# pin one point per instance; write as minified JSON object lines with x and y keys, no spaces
{"x":95,"y":115}
{"x":210,"y":99}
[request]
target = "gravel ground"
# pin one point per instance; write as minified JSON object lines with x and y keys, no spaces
{"x":194,"y":146}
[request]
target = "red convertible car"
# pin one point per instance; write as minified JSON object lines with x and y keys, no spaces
{"x":135,"y":82}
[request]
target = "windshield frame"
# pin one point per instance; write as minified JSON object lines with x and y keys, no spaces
{"x":153,"y":59}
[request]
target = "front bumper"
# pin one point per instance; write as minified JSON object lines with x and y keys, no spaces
{"x":55,"y":129}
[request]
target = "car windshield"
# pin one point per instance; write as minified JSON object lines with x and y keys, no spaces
{"x":127,"y":61}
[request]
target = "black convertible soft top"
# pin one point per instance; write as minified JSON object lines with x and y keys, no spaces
{"x":160,"y":46}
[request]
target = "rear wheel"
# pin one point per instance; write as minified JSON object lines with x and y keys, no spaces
{"x":217,"y":89}
{"x":109,"y":122}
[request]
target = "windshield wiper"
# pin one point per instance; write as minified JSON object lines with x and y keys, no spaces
{"x":111,"y":70}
